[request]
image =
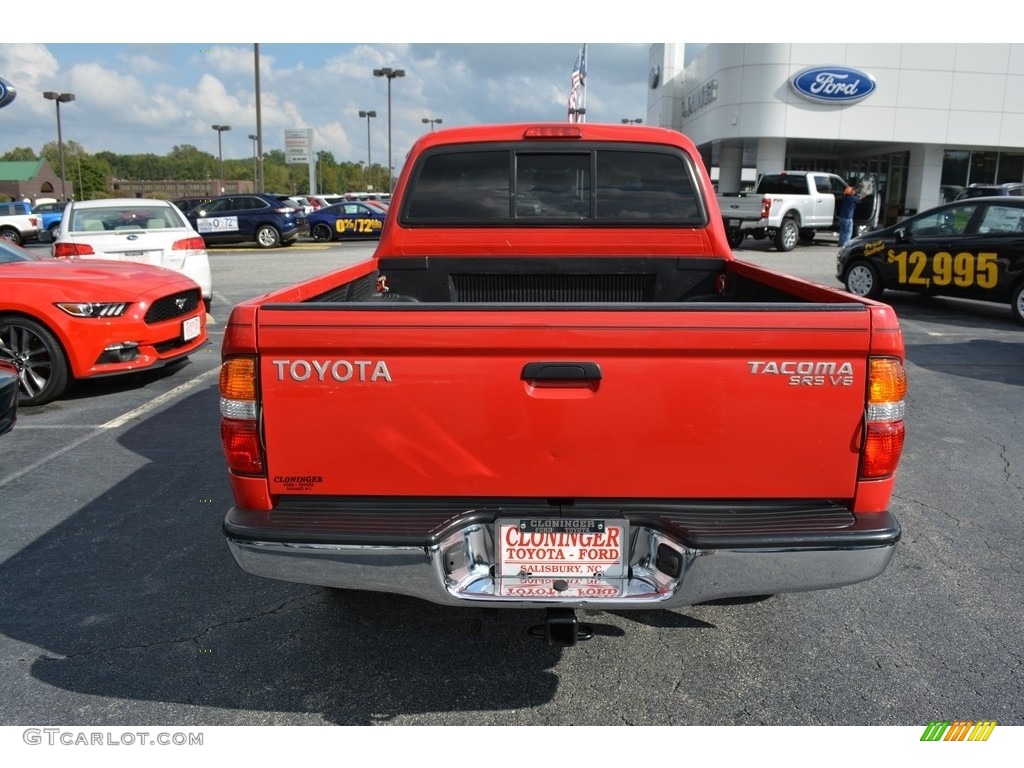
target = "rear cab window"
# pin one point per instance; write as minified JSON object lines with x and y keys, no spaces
{"x":553,"y":185}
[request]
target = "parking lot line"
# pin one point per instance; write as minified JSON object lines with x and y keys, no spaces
{"x":114,"y":423}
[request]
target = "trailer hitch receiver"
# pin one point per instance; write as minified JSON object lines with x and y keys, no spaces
{"x":561,"y":628}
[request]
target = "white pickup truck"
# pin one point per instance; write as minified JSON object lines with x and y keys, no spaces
{"x":793,"y":206}
{"x":17,"y":222}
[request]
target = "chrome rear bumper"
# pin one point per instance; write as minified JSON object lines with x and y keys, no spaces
{"x":664,"y":572}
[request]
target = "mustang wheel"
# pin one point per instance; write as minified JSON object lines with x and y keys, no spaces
{"x":268,"y":237}
{"x":322,"y":233}
{"x":38,"y":357}
{"x":862,"y":279}
{"x":787,"y":235}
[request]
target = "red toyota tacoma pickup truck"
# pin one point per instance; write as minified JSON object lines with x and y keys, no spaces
{"x":553,"y":387}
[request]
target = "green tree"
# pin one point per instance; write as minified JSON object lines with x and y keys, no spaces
{"x":18,"y":154}
{"x":91,"y":176}
{"x":191,"y":163}
{"x":275,"y":172}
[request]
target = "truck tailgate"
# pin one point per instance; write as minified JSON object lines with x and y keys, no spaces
{"x":727,"y":403}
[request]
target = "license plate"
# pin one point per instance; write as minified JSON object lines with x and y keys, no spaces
{"x":734,"y":222}
{"x":135,"y":255}
{"x":190,"y":328}
{"x":561,"y":548}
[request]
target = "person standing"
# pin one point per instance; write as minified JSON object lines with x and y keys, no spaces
{"x":847,"y":207}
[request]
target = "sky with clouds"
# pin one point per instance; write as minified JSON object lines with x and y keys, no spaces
{"x":149,"y":97}
{"x":466,"y":62}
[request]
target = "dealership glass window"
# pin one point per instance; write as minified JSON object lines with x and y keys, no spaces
{"x":1011,"y":167}
{"x":954,"y":167}
{"x":983,"y":167}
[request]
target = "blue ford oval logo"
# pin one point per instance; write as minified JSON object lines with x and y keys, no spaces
{"x":833,"y":85}
{"x":7,"y":93}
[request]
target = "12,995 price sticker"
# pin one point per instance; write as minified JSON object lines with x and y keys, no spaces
{"x":943,"y":269}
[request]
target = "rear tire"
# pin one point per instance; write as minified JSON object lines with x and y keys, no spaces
{"x":736,"y":237}
{"x":786,"y":235}
{"x":38,"y":356}
{"x":1017,"y":302}
{"x":10,"y":235}
{"x":862,"y":279}
{"x":322,"y":233}
{"x":268,"y":237}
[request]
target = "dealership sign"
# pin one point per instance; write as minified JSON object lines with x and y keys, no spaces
{"x":298,"y":145}
{"x":700,"y":98}
{"x":7,"y":93}
{"x":832,"y":85}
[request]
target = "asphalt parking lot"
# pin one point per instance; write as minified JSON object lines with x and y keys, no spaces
{"x":122,"y":606}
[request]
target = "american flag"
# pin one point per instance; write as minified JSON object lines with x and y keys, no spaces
{"x":579,"y":78}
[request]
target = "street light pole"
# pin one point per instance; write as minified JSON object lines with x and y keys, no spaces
{"x":390,"y":74}
{"x":255,"y":174}
{"x":81,"y":187}
{"x":57,"y":98}
{"x":220,"y":151}
{"x":368,"y":115}
{"x":432,"y":121}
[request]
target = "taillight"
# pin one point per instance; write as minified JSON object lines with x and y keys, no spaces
{"x":552,"y":132}
{"x":189,"y":244}
{"x":241,"y":446}
{"x":70,"y":250}
{"x":883,"y":439}
{"x":766,"y":207}
{"x":238,"y":425}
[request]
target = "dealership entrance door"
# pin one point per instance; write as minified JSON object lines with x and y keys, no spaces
{"x":890,"y":169}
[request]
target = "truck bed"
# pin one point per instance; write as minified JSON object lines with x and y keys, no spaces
{"x":576,"y":281}
{"x":472,"y":390}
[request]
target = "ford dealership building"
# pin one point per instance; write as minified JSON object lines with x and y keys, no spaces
{"x":928,"y":119}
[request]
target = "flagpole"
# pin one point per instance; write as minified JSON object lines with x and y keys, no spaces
{"x":583,"y":85}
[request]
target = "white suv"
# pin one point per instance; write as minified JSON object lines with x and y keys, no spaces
{"x":134,"y":229}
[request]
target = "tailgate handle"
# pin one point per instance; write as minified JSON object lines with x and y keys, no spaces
{"x":582,"y":372}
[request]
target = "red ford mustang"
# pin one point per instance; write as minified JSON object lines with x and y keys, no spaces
{"x":64,"y":320}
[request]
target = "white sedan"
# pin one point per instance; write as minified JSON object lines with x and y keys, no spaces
{"x":134,"y":229}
